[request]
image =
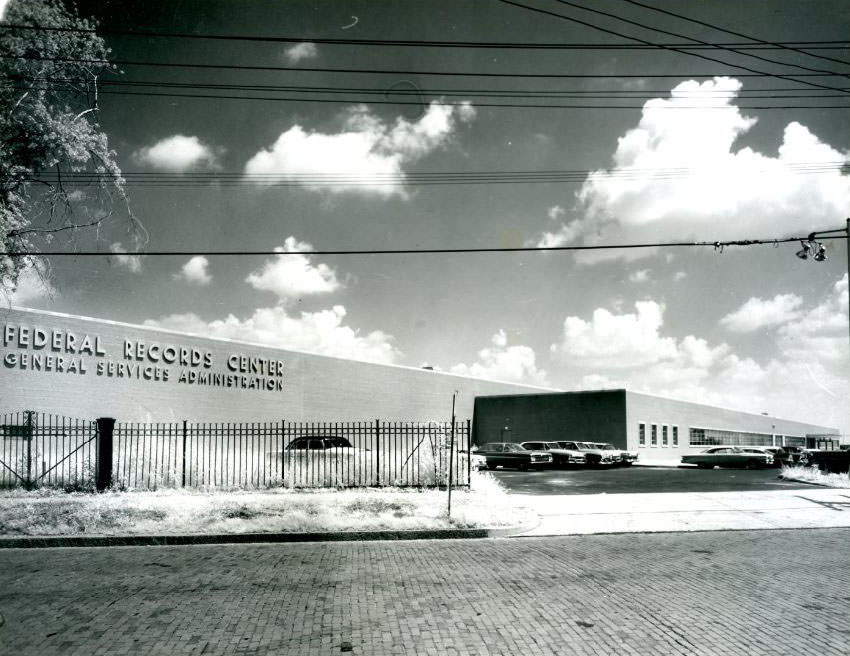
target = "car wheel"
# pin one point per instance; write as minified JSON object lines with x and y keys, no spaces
{"x":523,"y":467}
{"x":627,"y":464}
{"x":752,"y":464}
{"x":702,"y":465}
{"x":490,"y":466}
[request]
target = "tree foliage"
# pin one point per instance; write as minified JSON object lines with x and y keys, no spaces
{"x":58,"y":175}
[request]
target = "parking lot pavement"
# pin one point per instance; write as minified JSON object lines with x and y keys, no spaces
{"x":813,"y":507}
{"x":718,"y":594}
{"x":639,"y":479}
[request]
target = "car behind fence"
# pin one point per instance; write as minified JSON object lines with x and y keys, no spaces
{"x":44,"y":450}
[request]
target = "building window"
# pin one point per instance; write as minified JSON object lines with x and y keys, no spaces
{"x":653,"y":436}
{"x":715,"y":437}
{"x":664,"y":435}
{"x":641,"y":434}
{"x":675,"y":436}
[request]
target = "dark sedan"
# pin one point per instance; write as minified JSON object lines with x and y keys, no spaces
{"x":508,"y":454}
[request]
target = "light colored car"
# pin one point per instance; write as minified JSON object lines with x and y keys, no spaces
{"x":561,"y":457}
{"x":730,"y":456}
{"x":476,"y":460}
{"x":593,"y":456}
{"x":622,"y":456}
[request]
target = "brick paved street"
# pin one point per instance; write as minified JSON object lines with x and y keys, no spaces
{"x":724,"y":593}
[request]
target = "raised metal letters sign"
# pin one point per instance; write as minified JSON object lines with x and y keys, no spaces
{"x":59,"y":351}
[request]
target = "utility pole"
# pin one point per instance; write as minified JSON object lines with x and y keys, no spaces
{"x":451,"y":456}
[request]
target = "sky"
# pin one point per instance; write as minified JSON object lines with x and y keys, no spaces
{"x":680,"y":148}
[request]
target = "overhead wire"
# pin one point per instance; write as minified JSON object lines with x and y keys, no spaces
{"x":419,"y":103}
{"x":430,"y":43}
{"x":693,"y":39}
{"x":780,"y":45}
{"x":396,"y":72}
{"x":199,"y":179}
{"x":717,"y":245}
{"x":605,"y":30}
{"x":764,"y":93}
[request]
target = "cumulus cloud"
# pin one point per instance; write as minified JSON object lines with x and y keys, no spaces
{"x":33,"y":285}
{"x":614,"y":341}
{"x":195,"y":271}
{"x":678,"y":174}
{"x":679,"y":275}
{"x":300,"y":51}
{"x":758,"y":313}
{"x":504,"y":362}
{"x":320,"y":332}
{"x":367,"y":156}
{"x":820,"y":334}
{"x":641,"y":275}
{"x":556,"y":212}
{"x":804,"y":380}
{"x":178,"y":153}
{"x":133,"y":263}
{"x":291,"y":276}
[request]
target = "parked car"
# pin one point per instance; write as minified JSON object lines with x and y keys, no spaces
{"x":510,"y":454}
{"x":476,"y":459}
{"x":326,"y":444}
{"x":622,"y":456}
{"x":778,"y":454}
{"x":593,"y":456}
{"x":730,"y":456}
{"x":560,"y":457}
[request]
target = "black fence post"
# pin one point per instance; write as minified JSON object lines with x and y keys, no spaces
{"x":183,"y":459}
{"x":103,"y":461}
{"x":468,"y":456}
{"x":28,"y":483}
{"x":378,"y":452}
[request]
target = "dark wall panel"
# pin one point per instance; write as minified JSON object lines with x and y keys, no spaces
{"x":591,"y":416}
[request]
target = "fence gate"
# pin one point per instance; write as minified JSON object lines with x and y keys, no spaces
{"x":42,"y":449}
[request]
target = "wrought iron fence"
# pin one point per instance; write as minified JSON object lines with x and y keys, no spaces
{"x":238,"y":455}
{"x":41,"y":449}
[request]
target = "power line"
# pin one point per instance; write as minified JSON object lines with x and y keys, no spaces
{"x":201,"y":179}
{"x":794,"y":47}
{"x":396,"y":72}
{"x":692,"y":39}
{"x":717,"y":245}
{"x":207,"y":96}
{"x":429,"y":43}
{"x":768,"y":93}
{"x":662,"y":47}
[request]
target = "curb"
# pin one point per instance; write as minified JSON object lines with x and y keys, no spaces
{"x":35,"y":542}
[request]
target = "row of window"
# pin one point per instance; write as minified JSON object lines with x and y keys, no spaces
{"x":714,"y":436}
{"x":665,"y":435}
{"x":669,"y":435}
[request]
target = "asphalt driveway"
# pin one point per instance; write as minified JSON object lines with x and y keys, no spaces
{"x":633,"y":480}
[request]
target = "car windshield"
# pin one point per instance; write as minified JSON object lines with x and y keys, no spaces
{"x":514,"y":447}
{"x":553,"y":445}
{"x":539,"y":446}
{"x":607,"y":447}
{"x":491,"y":446}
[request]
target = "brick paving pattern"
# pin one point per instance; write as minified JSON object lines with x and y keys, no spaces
{"x":723,"y":593}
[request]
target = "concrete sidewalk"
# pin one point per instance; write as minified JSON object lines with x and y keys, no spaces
{"x":713,"y":511}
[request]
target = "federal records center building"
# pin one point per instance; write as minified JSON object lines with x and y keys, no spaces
{"x":88,"y":368}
